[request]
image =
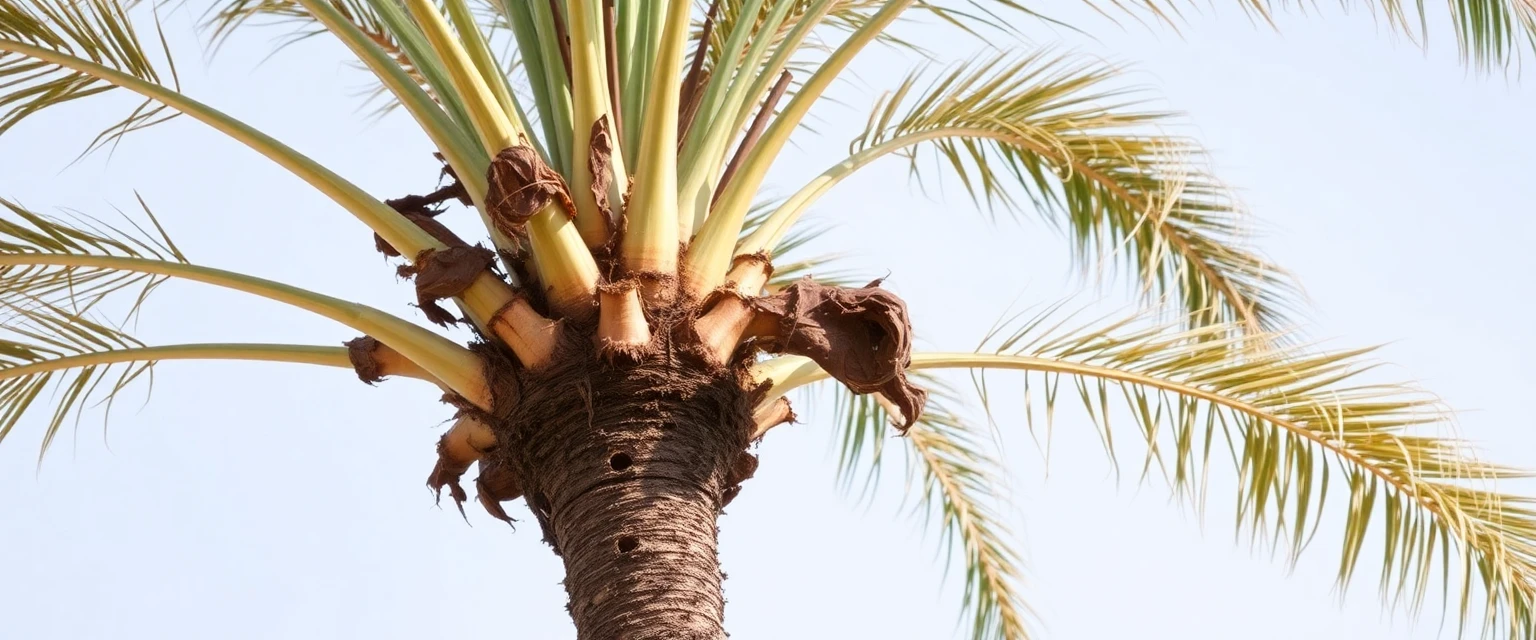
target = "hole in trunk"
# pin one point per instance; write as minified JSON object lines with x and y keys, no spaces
{"x":628,"y":544}
{"x":620,"y":461}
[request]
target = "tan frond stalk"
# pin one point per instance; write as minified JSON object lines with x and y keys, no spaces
{"x":590,"y":96}
{"x":770,"y":415}
{"x":720,"y":329}
{"x":530,"y":335}
{"x":622,"y":330}
{"x":709,"y":255}
{"x":749,"y":274}
{"x":374,"y":361}
{"x":650,"y":244}
{"x":461,"y":446}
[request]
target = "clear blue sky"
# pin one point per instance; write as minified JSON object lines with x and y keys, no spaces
{"x":275,"y":501}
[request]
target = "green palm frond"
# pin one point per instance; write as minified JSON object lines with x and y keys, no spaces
{"x":55,"y":275}
{"x":77,"y":357}
{"x":956,"y":478}
{"x":97,"y":30}
{"x":1488,"y":32}
{"x":78,"y":291}
{"x":53,"y":313}
{"x":1084,"y":154}
{"x":1297,"y":424}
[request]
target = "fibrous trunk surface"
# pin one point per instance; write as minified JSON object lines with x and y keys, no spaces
{"x":626,"y":466}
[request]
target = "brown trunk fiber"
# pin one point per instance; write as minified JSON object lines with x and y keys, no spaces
{"x":626,"y":467}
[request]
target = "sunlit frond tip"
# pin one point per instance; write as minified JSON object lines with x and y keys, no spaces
{"x":1296,"y":423}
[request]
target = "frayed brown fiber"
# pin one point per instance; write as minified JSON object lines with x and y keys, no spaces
{"x":619,"y":353}
{"x":445,"y":274}
{"x":599,"y":162}
{"x":497,"y":484}
{"x":862,"y":337}
{"x":520,"y":186}
{"x":742,"y":470}
{"x":447,"y":473}
{"x":422,"y":209}
{"x":428,"y":224}
{"x":360,"y":352}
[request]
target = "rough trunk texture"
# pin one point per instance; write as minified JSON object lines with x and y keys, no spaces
{"x":626,"y":467}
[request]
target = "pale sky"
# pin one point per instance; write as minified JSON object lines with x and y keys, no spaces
{"x":254,"y":501}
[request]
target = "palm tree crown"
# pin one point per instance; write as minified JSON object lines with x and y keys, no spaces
{"x":616,"y":155}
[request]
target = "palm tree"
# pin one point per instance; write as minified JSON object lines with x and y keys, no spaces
{"x":640,"y":319}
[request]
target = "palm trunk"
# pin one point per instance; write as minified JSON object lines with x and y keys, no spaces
{"x":626,"y":467}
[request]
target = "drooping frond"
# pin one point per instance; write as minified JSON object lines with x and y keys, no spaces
{"x":1488,"y":32}
{"x":77,"y":291}
{"x":1043,"y":132}
{"x":97,"y":30}
{"x":54,"y":275}
{"x":956,"y":478}
{"x":1298,"y":424}
{"x":50,"y":313}
{"x":75,"y":360}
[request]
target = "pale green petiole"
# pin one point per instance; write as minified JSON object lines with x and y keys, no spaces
{"x":290,"y":353}
{"x":709,"y":255}
{"x":650,"y":244}
{"x":767,"y":236}
{"x":457,"y":367}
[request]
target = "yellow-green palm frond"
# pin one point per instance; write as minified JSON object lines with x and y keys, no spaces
{"x":52,"y":313}
{"x":23,"y":231}
{"x":1045,"y":132}
{"x":1298,"y":423}
{"x":956,"y":477}
{"x":56,"y":276}
{"x":1488,"y":32}
{"x":96,"y":30}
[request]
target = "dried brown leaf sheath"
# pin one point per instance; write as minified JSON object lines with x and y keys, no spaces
{"x":599,"y":163}
{"x":520,"y":186}
{"x":862,"y":337}
{"x":444,"y":274}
